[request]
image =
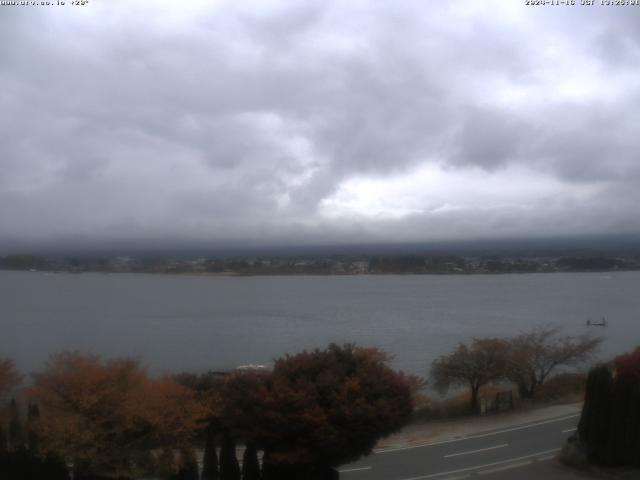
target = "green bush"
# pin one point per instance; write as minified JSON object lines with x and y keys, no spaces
{"x":572,"y":456}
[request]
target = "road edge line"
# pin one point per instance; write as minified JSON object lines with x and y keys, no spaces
{"x":474,"y":436}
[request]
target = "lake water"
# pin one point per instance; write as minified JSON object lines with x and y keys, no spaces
{"x":175,"y":323}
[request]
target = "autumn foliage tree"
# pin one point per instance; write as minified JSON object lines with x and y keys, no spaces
{"x":537,"y":353}
{"x":317,"y":410}
{"x":627,"y":366}
{"x":483,"y":361}
{"x":105,"y":415}
{"x":9,"y":378}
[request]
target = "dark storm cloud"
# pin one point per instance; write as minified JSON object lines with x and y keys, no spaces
{"x":236,"y":121}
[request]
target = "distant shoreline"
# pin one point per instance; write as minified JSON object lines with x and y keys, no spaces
{"x":338,"y":265}
{"x":310,"y":274}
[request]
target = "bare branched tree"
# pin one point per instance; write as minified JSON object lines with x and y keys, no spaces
{"x":484,"y":361}
{"x":536,"y":354}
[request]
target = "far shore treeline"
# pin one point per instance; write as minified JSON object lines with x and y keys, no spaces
{"x":313,"y":411}
{"x":344,"y":264}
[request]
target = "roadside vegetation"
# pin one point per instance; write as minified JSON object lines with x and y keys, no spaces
{"x":96,"y":418}
{"x":109,"y":419}
{"x":536,"y":365}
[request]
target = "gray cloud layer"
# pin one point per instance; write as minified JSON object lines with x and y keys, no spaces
{"x":317,"y":121}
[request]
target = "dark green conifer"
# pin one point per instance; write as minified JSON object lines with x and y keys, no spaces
{"x":625,"y":422}
{"x":609,"y":427}
{"x":16,"y":430}
{"x":617,"y":443}
{"x":188,"y":469}
{"x":634,"y":427}
{"x":82,"y":470}
{"x":210,"y":458}
{"x":250,"y":463}
{"x":229,"y":467}
{"x":33,"y":415}
{"x":3,"y":439}
{"x":595,"y":420}
{"x":587,"y":408}
{"x":54,"y":468}
{"x":166,"y":464}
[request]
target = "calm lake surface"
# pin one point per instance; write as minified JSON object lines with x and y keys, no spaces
{"x":175,"y":323}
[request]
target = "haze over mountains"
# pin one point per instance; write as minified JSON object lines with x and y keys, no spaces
{"x":604,"y":245}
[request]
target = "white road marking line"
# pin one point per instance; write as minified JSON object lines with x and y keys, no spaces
{"x":480,"y":467}
{"x":545,"y":458}
{"x":506,"y":467}
{"x":570,"y":430}
{"x":460,"y":477}
{"x":471,"y":437}
{"x":476,"y":451}
{"x":359,"y":469}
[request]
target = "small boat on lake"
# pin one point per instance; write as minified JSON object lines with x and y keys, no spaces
{"x":601,"y":323}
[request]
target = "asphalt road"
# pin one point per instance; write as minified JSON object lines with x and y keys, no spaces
{"x":519,"y":452}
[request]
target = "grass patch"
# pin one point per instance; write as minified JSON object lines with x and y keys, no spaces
{"x":561,"y":389}
{"x":564,"y":385}
{"x":428,"y":408}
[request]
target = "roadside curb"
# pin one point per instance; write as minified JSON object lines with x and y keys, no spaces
{"x":443,"y":431}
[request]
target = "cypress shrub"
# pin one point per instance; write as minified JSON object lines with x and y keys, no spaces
{"x":634,"y":426}
{"x":278,"y":471}
{"x":16,"y":431}
{"x":229,"y":468}
{"x":325,"y":474}
{"x":146,"y":464}
{"x":3,"y":439}
{"x":619,"y":442}
{"x":54,"y":468}
{"x":188,"y":469}
{"x":17,"y":464}
{"x":627,"y":433}
{"x":210,"y":458}
{"x":627,"y":406}
{"x":22,"y":464}
{"x":250,"y":463}
{"x":597,"y":427}
{"x":33,"y":414}
{"x":165,"y":465}
{"x":609,"y":427}
{"x":587,"y":408}
{"x":82,"y":471}
{"x":268,"y":469}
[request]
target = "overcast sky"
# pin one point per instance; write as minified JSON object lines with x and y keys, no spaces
{"x":317,"y":122}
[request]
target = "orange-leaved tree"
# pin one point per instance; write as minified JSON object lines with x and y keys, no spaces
{"x":9,"y":377}
{"x":628,"y":366}
{"x":108,"y":415}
